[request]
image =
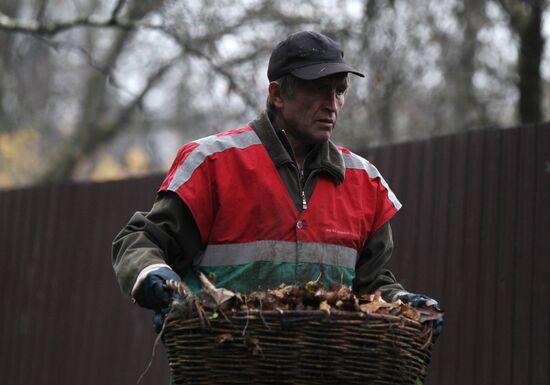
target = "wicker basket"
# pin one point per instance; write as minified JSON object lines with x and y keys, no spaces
{"x":297,"y":347}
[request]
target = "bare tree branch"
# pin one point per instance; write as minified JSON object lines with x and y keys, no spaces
{"x":58,"y":46}
{"x":233,"y":84}
{"x":247,"y":57}
{"x":88,"y":58}
{"x":118,"y":7}
{"x":88,"y":139}
{"x":96,"y":126}
{"x":190,"y":45}
{"x":9,"y":24}
{"x":266,"y":12}
{"x":41,"y":9}
{"x":33,"y":27}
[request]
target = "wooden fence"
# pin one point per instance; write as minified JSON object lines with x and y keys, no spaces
{"x":474,"y":232}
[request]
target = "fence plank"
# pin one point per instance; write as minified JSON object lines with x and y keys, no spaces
{"x":40,"y":270}
{"x":468,"y":329}
{"x":523,"y":253}
{"x":423,"y":225}
{"x":425,"y":230}
{"x":438,"y":254}
{"x":412,"y":187}
{"x":489,"y":251}
{"x":89,"y":279}
{"x":458,"y":181}
{"x":11,"y":333}
{"x":24,"y":232}
{"x":505,"y":258}
{"x":57,"y":320}
{"x":541,"y":268}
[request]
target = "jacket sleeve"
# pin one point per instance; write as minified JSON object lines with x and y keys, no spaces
{"x":166,"y":235}
{"x":370,"y":272}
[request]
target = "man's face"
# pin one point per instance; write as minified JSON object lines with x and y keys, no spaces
{"x":310,"y":113}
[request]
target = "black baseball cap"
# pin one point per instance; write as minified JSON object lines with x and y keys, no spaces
{"x":308,"y":55}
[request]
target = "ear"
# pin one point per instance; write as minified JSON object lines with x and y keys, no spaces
{"x":275,"y":94}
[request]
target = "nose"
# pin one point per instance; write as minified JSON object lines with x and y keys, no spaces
{"x":332,"y":101}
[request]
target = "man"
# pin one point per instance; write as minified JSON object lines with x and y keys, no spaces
{"x":273,"y":202}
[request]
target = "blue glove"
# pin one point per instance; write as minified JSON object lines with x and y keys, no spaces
{"x":417,"y":300}
{"x":437,"y":328}
{"x":152,"y":293}
{"x":158,"y":319}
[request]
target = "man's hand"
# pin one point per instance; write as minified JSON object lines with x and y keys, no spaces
{"x":418,"y":300}
{"x":437,"y":328}
{"x":153,"y":294}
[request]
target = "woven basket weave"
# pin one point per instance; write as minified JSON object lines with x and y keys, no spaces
{"x":297,"y":347}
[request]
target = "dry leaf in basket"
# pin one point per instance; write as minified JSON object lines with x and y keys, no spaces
{"x":409,"y":312}
{"x":265,"y":301}
{"x":214,"y":298}
{"x":324,"y":306}
{"x":375,"y":306}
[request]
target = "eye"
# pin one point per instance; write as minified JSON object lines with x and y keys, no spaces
{"x":341,"y":91}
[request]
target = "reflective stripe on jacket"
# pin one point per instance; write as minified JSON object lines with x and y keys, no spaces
{"x":255,"y":237}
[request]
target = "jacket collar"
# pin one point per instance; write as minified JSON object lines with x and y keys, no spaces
{"x":325,"y":156}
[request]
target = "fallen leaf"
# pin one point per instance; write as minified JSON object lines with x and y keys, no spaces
{"x":324,"y":306}
{"x":409,"y":312}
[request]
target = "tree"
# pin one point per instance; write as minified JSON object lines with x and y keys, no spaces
{"x":525,"y":19}
{"x":101,"y":115}
{"x":100,"y":79}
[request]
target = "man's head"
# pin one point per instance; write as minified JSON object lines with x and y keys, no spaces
{"x":308,"y":80}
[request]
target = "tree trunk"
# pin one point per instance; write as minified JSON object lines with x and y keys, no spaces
{"x":525,"y":21}
{"x":10,"y":8}
{"x":530,"y":56}
{"x":468,"y":110}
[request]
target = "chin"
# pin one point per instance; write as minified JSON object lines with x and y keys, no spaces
{"x":322,"y":138}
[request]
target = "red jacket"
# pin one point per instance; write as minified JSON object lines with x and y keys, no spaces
{"x":255,"y":236}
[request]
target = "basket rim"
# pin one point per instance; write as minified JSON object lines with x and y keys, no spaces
{"x":320,"y":314}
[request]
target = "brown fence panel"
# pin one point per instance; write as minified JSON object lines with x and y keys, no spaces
{"x":64,"y":319}
{"x":473,"y":233}
{"x":478,"y":207}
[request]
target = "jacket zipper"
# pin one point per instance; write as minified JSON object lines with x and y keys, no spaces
{"x":302,"y":185}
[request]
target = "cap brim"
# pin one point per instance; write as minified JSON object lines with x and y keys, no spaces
{"x":317,"y":71}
